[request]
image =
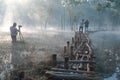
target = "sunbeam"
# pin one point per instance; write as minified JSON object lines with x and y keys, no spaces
{"x":9,"y":2}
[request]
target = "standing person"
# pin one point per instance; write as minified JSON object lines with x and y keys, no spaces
{"x":68,"y":48}
{"x":81,"y":25}
{"x":86,"y":25}
{"x":13,"y":32}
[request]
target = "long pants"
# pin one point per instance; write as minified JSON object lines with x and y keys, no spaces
{"x":13,"y":38}
{"x":86,"y":29}
{"x":81,"y":28}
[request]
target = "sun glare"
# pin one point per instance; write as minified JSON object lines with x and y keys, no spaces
{"x":10,"y":2}
{"x":4,"y":29}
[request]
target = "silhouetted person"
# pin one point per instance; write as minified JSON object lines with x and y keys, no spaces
{"x":13,"y":32}
{"x":86,"y":25}
{"x":81,"y":25}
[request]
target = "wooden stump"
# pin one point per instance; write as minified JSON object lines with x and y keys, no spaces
{"x":66,"y":62}
{"x":54,"y":60}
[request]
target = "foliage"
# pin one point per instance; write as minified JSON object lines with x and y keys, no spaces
{"x":109,"y":4}
{"x":99,"y":7}
{"x":71,"y":2}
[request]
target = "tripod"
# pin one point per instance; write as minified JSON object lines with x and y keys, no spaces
{"x":20,"y":35}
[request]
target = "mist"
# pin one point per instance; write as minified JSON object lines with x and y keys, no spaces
{"x":56,"y":14}
{"x":106,"y":48}
{"x":48,"y":24}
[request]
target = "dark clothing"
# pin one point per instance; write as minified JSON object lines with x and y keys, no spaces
{"x":81,"y":25}
{"x":86,"y":25}
{"x":81,"y":28}
{"x":13,"y":39}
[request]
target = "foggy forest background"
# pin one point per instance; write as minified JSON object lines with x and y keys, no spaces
{"x":62,"y":14}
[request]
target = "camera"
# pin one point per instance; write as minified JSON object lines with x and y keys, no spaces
{"x":19,"y":26}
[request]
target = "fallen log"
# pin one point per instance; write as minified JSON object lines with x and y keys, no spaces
{"x":72,"y":71}
{"x":70,"y":75}
{"x":78,"y":61}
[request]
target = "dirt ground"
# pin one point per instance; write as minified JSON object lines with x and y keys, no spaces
{"x":39,"y":46}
